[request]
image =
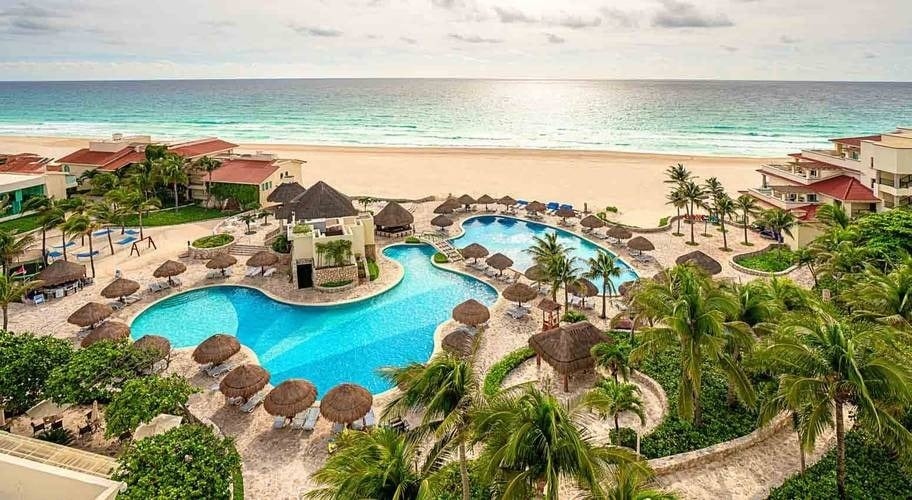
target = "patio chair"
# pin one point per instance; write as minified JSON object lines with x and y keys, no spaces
{"x":279,"y":422}
{"x":57,"y":424}
{"x":337,"y":428}
{"x":126,"y":240}
{"x":155,"y":287}
{"x":37,"y":427}
{"x":86,"y":255}
{"x":269,"y":272}
{"x":38,"y":299}
{"x":490,"y":272}
{"x":310,"y":419}
{"x":164,"y":285}
{"x":85,"y":430}
{"x":116,"y":305}
{"x":219,"y":369}
{"x":252,"y":271}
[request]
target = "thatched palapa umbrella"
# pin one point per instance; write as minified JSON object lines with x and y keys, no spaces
{"x":120,"y":288}
{"x":216,"y":349}
{"x":458,"y":342}
{"x":619,"y":232}
{"x":447,"y":207}
{"x":61,"y":272}
{"x":592,"y":222}
{"x":584,"y":289}
{"x":442,"y":221}
{"x":393,"y":216}
{"x":109,"y":330}
{"x":702,"y":261}
{"x":519,"y":292}
{"x":474,"y":251}
{"x":466,"y":201}
{"x":485,"y":200}
{"x":565,"y":213}
{"x":346,"y":403}
{"x":536,"y":273}
{"x":244,"y":381}
{"x":507,"y":201}
{"x":90,"y":314}
{"x":156,"y":345}
{"x":471,"y":312}
{"x":566,"y":348}
{"x":535,"y":207}
{"x":169,"y":269}
{"x":262,"y":259}
{"x":500,"y":262}
{"x":221,"y":261}
{"x":290,"y":398}
{"x":285,"y":193}
{"x":640,"y":244}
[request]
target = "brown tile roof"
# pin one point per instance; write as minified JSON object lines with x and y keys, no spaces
{"x":23,"y":163}
{"x":202,"y":147}
{"x":103,"y":159}
{"x":244,"y":171}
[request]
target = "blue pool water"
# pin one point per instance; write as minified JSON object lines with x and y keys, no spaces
{"x":512,"y":237}
{"x":326,"y":345}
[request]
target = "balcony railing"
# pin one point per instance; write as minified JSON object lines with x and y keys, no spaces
{"x":831,"y":157}
{"x":767,"y":195}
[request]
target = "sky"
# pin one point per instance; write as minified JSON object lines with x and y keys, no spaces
{"x":611,"y":39}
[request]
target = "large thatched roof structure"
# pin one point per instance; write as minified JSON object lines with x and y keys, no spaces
{"x":473,"y":251}
{"x":121,"y":287}
{"x":702,"y":261}
{"x":393,"y":215}
{"x":61,"y":272}
{"x":156,"y":344}
{"x":640,"y":244}
{"x":262,"y":258}
{"x":485,"y":200}
{"x":566,"y":348}
{"x":346,"y":403}
{"x":441,"y":221}
{"x":592,"y":222}
{"x":216,"y":349}
{"x":320,"y":201}
{"x":244,"y":381}
{"x":499,"y":261}
{"x":466,"y":200}
{"x":221,"y":261}
{"x":519,"y":292}
{"x":471,"y":312}
{"x":169,"y":268}
{"x":90,"y":314}
{"x":619,"y":232}
{"x":109,"y":330}
{"x":536,"y":206}
{"x":285,"y":192}
{"x":290,"y":398}
{"x":458,"y":342}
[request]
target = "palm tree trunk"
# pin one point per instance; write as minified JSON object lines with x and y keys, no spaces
{"x":463,"y":470}
{"x":604,"y":301}
{"x":91,"y":257}
{"x":617,"y":426}
{"x":5,"y":317}
{"x":110,"y":243}
{"x":744,"y":221}
{"x":840,"y":452}
{"x":698,"y":408}
{"x":801,"y":456}
{"x":679,"y":220}
{"x":43,"y":245}
{"x":63,"y":240}
{"x":140,"y":225}
{"x":724,"y":234}
{"x":690,"y":214}
{"x":176,"y":205}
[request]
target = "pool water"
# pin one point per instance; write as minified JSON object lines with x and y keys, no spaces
{"x":326,"y":345}
{"x":512,"y":237}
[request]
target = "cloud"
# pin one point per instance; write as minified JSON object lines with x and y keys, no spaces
{"x":619,"y":18}
{"x":410,"y":41}
{"x":788,"y":39}
{"x":509,"y":16}
{"x":473,"y":38}
{"x":679,"y":14}
{"x":575,"y":22}
{"x":28,"y":19}
{"x":315,"y":31}
{"x":556,"y":39}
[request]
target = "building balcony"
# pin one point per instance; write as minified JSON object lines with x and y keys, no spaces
{"x":905,"y":190}
{"x":785,"y":201}
{"x":801,"y":175}
{"x":832,"y":157}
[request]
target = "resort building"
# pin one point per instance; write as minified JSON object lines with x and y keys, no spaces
{"x":316,"y":220}
{"x":26,"y":175}
{"x":108,"y":154}
{"x":245,"y":178}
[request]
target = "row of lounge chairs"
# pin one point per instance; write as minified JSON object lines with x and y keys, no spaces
{"x":218,"y":273}
{"x":518,"y":312}
{"x":159,"y":286}
{"x":579,"y":303}
{"x":253,"y":272}
{"x":120,"y":304}
{"x":491,"y":272}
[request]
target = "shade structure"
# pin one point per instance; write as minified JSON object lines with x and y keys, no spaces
{"x":90,"y":314}
{"x":447,"y":207}
{"x":640,"y":244}
{"x":61,"y":272}
{"x":121,"y":287}
{"x":565,"y":213}
{"x":536,"y":206}
{"x":290,"y":398}
{"x":458,"y":342}
{"x":109,"y":330}
{"x":393,"y":215}
{"x":160,"y":424}
{"x":285,"y":192}
{"x":157,"y":345}
{"x":221,"y":261}
{"x":626,"y":287}
{"x":485,"y":200}
{"x":701,"y":260}
{"x":346,"y":403}
{"x":441,"y":221}
{"x":466,"y":200}
{"x":262,"y":258}
{"x":499,"y":261}
{"x":244,"y":381}
{"x":584,"y":288}
{"x":471,"y":312}
{"x":619,"y":232}
{"x":474,"y":251}
{"x":622,"y":321}
{"x":566,"y":348}
{"x":536,"y":273}
{"x":169,"y":268}
{"x":507,"y":201}
{"x":548,"y":305}
{"x":592,"y":222}
{"x":320,"y":201}
{"x":216,"y":349}
{"x":519,"y":292}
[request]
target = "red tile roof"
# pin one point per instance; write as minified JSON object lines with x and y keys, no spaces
{"x":855,"y":141}
{"x":23,"y":163}
{"x":202,"y":147}
{"x":104,"y":160}
{"x":244,"y":171}
{"x":845,"y":188}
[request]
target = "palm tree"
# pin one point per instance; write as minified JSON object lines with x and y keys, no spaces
{"x":834,"y":216}
{"x":677,"y":174}
{"x":545,"y":252}
{"x":788,"y":296}
{"x":531,"y":441}
{"x":12,"y":245}
{"x":604,"y":266}
{"x":248,"y":218}
{"x":725,"y":207}
{"x":610,"y":398}
{"x":564,"y":272}
{"x":824,"y":363}
{"x":50,"y":215}
{"x":632,"y":482}
{"x":171,"y":170}
{"x":692,"y":314}
{"x":695,"y":196}
{"x":110,"y":215}
{"x":446,"y":390}
{"x":746,"y":205}
{"x":380,"y":464}
{"x":83,"y":225}
{"x":143,"y":178}
{"x":714,"y":187}
{"x":135,"y":201}
{"x":780,"y":222}
{"x":12,"y":291}
{"x":337,"y":252}
{"x":884,"y":297}
{"x":208,"y":165}
{"x":676,"y":199}
{"x":614,"y":357}
{"x":806,"y":257}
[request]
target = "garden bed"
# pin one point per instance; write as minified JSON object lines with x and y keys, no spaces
{"x":772,"y":259}
{"x":22,"y":224}
{"x":213,"y":241}
{"x":169,"y":217}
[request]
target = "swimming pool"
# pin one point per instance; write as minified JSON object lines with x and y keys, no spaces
{"x":512,"y":237}
{"x":327,"y":345}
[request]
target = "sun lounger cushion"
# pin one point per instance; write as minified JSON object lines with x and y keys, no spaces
{"x":310,"y":419}
{"x":86,"y":255}
{"x":253,"y":402}
{"x":125,"y":241}
{"x":269,"y":272}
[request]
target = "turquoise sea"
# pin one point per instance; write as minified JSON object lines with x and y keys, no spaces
{"x":700,"y":117}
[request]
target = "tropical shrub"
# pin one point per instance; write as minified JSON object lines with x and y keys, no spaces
{"x":887,"y":234}
{"x":95,"y":372}
{"x":141,"y":399}
{"x":213,"y":240}
{"x":336,"y":284}
{"x":771,"y":261}
{"x":281,"y":244}
{"x":373,"y":269}
{"x":572,"y":316}
{"x":626,"y":437}
{"x":499,"y":371}
{"x":189,"y":461}
{"x":439,"y":258}
{"x":60,"y":435}
{"x":611,"y":209}
{"x":244,"y":194}
{"x":336,"y":253}
{"x":301,"y":229}
{"x":664,"y":221}
{"x":412,"y":240}
{"x":26,"y":362}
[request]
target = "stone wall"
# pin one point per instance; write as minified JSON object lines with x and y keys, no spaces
{"x":208,"y":253}
{"x":329,"y":274}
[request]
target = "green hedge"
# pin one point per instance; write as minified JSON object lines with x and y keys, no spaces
{"x":439,"y":258}
{"x":374,"y":269}
{"x":22,"y":224}
{"x":335,"y":284}
{"x":502,"y":368}
{"x":245,"y":194}
{"x":771,"y":261}
{"x":213,"y":240}
{"x":412,"y":240}
{"x":572,"y":316}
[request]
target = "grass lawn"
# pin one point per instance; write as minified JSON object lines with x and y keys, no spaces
{"x":771,"y":261}
{"x":22,"y":224}
{"x":191,"y":213}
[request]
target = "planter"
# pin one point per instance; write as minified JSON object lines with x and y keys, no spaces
{"x":336,"y":274}
{"x":336,"y":289}
{"x":755,"y":272}
{"x":210,"y":252}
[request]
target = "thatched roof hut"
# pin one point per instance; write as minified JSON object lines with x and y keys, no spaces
{"x":244,"y":381}
{"x":221,"y":261}
{"x":458,"y":342}
{"x":466,"y":200}
{"x":109,"y":330}
{"x":536,"y":206}
{"x":548,"y":305}
{"x":61,"y":272}
{"x":506,"y":201}
{"x":474,"y":251}
{"x":702,"y":261}
{"x":216,"y":349}
{"x":499,"y":261}
{"x":592,"y":222}
{"x":393,"y":215}
{"x":156,"y":344}
{"x":320,"y":201}
{"x":566,"y":348}
{"x":447,"y":207}
{"x":119,"y":288}
{"x":471,"y":312}
{"x":535,"y":273}
{"x":290,"y":398}
{"x":584,"y":288}
{"x":169,"y":268}
{"x":519,"y":292}
{"x":640,"y":244}
{"x":90,"y":314}
{"x":485,"y":200}
{"x":346,"y":403}
{"x":619,"y":232}
{"x":285,"y":192}
{"x":442,"y":221}
{"x":262,"y":258}
{"x":565,"y":213}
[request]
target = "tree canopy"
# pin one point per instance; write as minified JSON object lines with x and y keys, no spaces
{"x":141,"y":399}
{"x":94,"y":372}
{"x":26,"y":362}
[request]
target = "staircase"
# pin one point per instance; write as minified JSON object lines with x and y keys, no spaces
{"x":441,"y":245}
{"x":246,"y":249}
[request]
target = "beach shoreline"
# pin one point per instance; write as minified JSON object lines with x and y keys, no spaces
{"x":630,"y":181}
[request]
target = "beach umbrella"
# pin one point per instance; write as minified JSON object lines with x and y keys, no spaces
{"x":507,"y":201}
{"x":565,"y":213}
{"x":290,"y":398}
{"x":90,"y":314}
{"x":519,"y":292}
{"x":216,"y":349}
{"x":221,"y":261}
{"x":640,"y":244}
{"x":442,"y":221}
{"x":393,"y":215}
{"x":471,"y":312}
{"x":160,"y":424}
{"x":474,"y":251}
{"x":109,"y":330}
{"x":592,"y":222}
{"x":120,"y":288}
{"x":458,"y":342}
{"x":499,"y":261}
{"x":447,"y":207}
{"x":584,"y":289}
{"x":567,"y":348}
{"x":485,"y":200}
{"x":466,"y":200}
{"x":157,"y":345}
{"x":244,"y":381}
{"x":262,"y":258}
{"x":61,"y":272}
{"x":536,"y":273}
{"x":702,"y":261}
{"x":346,"y":403}
{"x":169,"y":269}
{"x":622,"y":322}
{"x":619,"y":232}
{"x":285,"y":192}
{"x":536,"y":206}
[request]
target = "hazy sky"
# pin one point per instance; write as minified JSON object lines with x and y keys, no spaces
{"x":721,"y":39}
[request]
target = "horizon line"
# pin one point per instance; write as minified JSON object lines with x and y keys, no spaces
{"x":530,"y":79}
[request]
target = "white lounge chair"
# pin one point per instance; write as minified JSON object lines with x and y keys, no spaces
{"x":38,"y":299}
{"x":164,"y":285}
{"x":517,"y":313}
{"x":491,"y":273}
{"x":310,"y":419}
{"x":252,"y":271}
{"x":253,"y":402}
{"x":337,"y":428}
{"x":367,"y":422}
{"x":269,"y":272}
{"x":116,"y":305}
{"x":132,"y":299}
{"x":155,"y":287}
{"x":176,"y":282}
{"x":220,"y":369}
{"x":279,"y":422}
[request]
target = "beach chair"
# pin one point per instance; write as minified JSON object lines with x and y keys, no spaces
{"x":517,"y":313}
{"x":116,"y":305}
{"x":226,"y":272}
{"x":219,"y":369}
{"x":38,"y":299}
{"x":490,"y":272}
{"x":86,"y":255}
{"x":125,"y":241}
{"x":131,"y":232}
{"x":252,"y":271}
{"x":155,"y":287}
{"x":279,"y":422}
{"x":337,"y":428}
{"x":253,"y":402}
{"x":269,"y":272}
{"x":310,"y":419}
{"x":212,"y":275}
{"x":177,"y":281}
{"x":132,"y":299}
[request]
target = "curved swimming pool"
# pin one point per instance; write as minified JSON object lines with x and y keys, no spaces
{"x":327,"y":345}
{"x":511,"y":237}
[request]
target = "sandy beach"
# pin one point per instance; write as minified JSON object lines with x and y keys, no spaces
{"x":632,"y":182}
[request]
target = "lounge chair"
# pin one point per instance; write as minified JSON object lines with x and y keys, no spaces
{"x":155,"y":287}
{"x":310,"y":419}
{"x":132,"y":299}
{"x":211,"y":275}
{"x":38,"y":299}
{"x":269,"y":272}
{"x":219,"y":369}
{"x":86,"y":255}
{"x":116,"y":305}
{"x":252,"y":271}
{"x":517,"y":313}
{"x":131,"y":232}
{"x":337,"y":428}
{"x":279,"y":422}
{"x":253,"y":402}
{"x":490,"y":272}
{"x":126,"y":240}
{"x":367,"y":422}
{"x":164,"y":284}
{"x":176,"y":282}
